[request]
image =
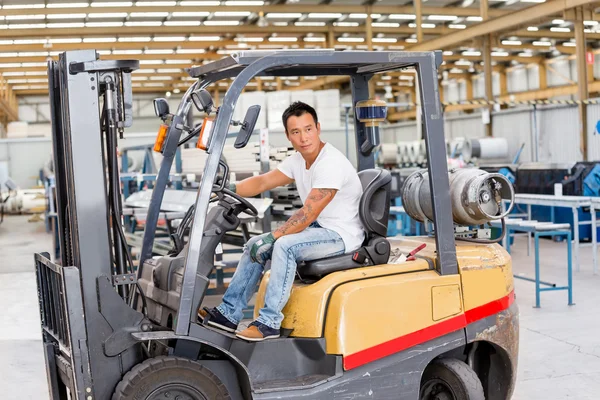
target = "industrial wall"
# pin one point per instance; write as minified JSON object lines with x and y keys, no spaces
{"x":550,"y":134}
{"x":522,"y":78}
{"x":23,"y":158}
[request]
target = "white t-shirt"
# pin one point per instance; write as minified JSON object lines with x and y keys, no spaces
{"x":331,"y":170}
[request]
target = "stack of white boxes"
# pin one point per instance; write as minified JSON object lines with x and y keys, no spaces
{"x":17,"y":129}
{"x":305,"y":96}
{"x":277,"y":102}
{"x":328,"y":108}
{"x":248,"y":99}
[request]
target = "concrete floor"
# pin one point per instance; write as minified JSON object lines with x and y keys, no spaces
{"x":559,"y":348}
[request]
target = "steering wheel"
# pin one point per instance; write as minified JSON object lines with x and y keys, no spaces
{"x":250,"y":209}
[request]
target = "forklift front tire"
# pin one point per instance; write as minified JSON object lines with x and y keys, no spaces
{"x":163,"y":378}
{"x":449,"y":378}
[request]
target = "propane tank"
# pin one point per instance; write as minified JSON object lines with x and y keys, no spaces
{"x":476,"y":196}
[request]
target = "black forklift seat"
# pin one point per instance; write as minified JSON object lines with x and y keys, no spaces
{"x":374,"y":210}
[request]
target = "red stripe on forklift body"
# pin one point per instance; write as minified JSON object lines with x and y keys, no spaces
{"x":431,"y":332}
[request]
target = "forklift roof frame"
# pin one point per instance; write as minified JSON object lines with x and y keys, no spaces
{"x":360,"y":67}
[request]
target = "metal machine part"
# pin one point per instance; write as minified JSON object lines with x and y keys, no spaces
{"x":85,"y":323}
{"x":371,"y":113}
{"x":476,"y":196}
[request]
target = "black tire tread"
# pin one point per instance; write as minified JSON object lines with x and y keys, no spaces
{"x":142,"y":370}
{"x":463,"y":372}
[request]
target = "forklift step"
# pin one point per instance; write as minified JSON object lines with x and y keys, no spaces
{"x":300,"y":382}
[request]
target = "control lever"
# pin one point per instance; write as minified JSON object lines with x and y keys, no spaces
{"x":213,"y":232}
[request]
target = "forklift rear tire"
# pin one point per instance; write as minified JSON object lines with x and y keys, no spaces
{"x":168,"y":378}
{"x":450,"y":379}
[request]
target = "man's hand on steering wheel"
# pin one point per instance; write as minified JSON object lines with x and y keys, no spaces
{"x":250,"y":209}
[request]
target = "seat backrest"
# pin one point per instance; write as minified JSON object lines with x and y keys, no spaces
{"x":374,"y":207}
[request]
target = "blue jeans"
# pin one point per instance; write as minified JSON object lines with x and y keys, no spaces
{"x":312,"y":243}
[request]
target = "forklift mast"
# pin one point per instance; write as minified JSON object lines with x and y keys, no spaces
{"x":91,"y":102}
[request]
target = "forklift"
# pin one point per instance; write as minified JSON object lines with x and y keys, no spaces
{"x":440,"y":325}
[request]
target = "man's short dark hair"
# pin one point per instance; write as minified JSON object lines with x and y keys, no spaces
{"x":297,"y":109}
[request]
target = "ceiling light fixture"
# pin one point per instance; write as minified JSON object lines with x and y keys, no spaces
{"x":283,"y":15}
{"x":204,"y":38}
{"x":149,"y":14}
{"x":143,"y":23}
{"x":67,"y":5}
{"x":112,"y":4}
{"x":351,"y":39}
{"x":325,"y":15}
{"x":309,"y":23}
{"x":407,"y":17}
{"x":384,"y":24}
{"x":103,"y":24}
{"x":107,"y":15}
{"x":135,"y":39}
{"x":99,"y":40}
{"x":221,"y":23}
{"x":169,"y":38}
{"x":250,"y":3}
{"x":191,"y":14}
{"x":67,"y":16}
{"x":346,"y":24}
{"x":156,"y":3}
{"x":283,"y":39}
{"x":442,"y":17}
{"x":384,"y":40}
{"x":181,"y":23}
{"x":232,"y":13}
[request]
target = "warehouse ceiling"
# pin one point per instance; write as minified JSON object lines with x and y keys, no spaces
{"x":168,"y":36}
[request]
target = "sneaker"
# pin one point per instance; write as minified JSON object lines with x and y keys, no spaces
{"x":257,"y":332}
{"x":216,"y":319}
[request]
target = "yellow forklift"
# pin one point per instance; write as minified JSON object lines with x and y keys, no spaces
{"x":378,"y":323}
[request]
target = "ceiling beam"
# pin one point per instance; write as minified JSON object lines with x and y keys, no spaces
{"x":317,"y":83}
{"x":276,"y":8}
{"x":116,"y":46}
{"x":502,"y":23}
{"x":213,"y":30}
{"x":546,"y":33}
{"x":524,"y":60}
{"x":125,"y":31}
{"x":141,"y":57}
{"x":541,"y":94}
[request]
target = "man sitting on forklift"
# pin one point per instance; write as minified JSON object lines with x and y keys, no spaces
{"x":327,"y":225}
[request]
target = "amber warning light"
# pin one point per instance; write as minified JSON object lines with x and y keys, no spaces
{"x":161,"y":137}
{"x":207,"y":126}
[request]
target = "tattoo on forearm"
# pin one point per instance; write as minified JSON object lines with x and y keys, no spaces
{"x":300,"y":217}
{"x":304,"y":216}
{"x":321,"y":194}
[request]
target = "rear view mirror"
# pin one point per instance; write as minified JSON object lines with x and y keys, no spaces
{"x":10,"y":185}
{"x":247,"y":127}
{"x":161,"y":108}
{"x":203,"y":101}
